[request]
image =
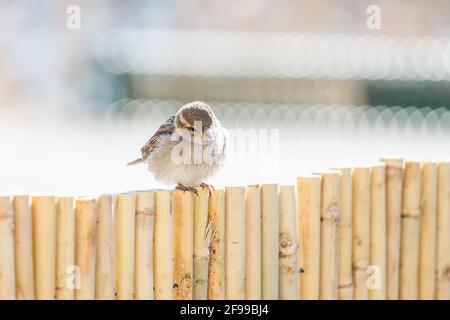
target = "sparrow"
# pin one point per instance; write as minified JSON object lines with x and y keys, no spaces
{"x":187,"y":149}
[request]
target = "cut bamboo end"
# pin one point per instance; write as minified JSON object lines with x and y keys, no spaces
{"x":85,"y":236}
{"x":427,"y":252}
{"x":253,"y":243}
{"x":44,"y":246}
{"x":308,"y":227}
{"x":67,"y":277}
{"x":182,"y":208}
{"x":162,"y":244}
{"x":203,"y":231}
{"x":394,"y":190}
{"x":7,"y":279}
{"x":361,"y":218}
{"x":410,"y":231}
{"x":329,"y":231}
{"x":288,"y":250}
{"x":235,"y":243}
{"x":124,"y":226}
{"x":377,"y":259}
{"x":143,"y":266}
{"x":23,"y":248}
{"x":443,"y":233}
{"x":345,"y":281}
{"x":104,"y":270}
{"x":216,"y":272}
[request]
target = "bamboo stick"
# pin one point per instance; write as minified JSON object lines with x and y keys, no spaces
{"x":124,"y":237}
{"x":308,"y":226}
{"x":216,"y":272}
{"x":409,"y":247}
{"x":162,"y":244}
{"x":104,"y":268}
{"x":377,"y":258}
{"x":427,"y":252}
{"x":183,"y":241}
{"x":143,"y":272}
{"x":394,"y":187}
{"x":67,"y":278}
{"x":329,"y":231}
{"x":443,"y":233}
{"x":270,"y":242}
{"x":253,"y":243}
{"x":288,"y":245}
{"x":44,"y":246}
{"x":345,"y":282}
{"x":235,"y":243}
{"x":23,"y":245}
{"x":7,"y":273}
{"x":202,"y":240}
{"x":361,"y":215}
{"x":85,"y":236}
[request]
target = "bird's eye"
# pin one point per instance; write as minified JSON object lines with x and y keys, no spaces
{"x":191,"y":129}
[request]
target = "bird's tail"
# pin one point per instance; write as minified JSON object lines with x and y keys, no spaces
{"x":135,"y":162}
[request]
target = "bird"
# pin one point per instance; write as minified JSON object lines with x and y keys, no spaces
{"x":187,"y":149}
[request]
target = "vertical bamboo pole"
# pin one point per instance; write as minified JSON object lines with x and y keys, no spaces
{"x":85,"y":236}
{"x":183,"y":241}
{"x":104,"y":268}
{"x":216,"y":272}
{"x":345,"y":282}
{"x":361,"y":237}
{"x":66,"y":277}
{"x":23,"y":245}
{"x":162,"y":244}
{"x":253,"y":243}
{"x":288,"y":245}
{"x":143,"y":266}
{"x":202,"y":240}
{"x":329,"y":232}
{"x":124,"y":245}
{"x":427,"y":252}
{"x":235,"y":243}
{"x":377,"y":259}
{"x":7,"y":273}
{"x":443,"y":233}
{"x":308,"y":226}
{"x":394,"y":187}
{"x":270,"y":242}
{"x":409,"y":246}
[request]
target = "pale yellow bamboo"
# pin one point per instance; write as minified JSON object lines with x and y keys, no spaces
{"x":104,"y":267}
{"x":377,"y":259}
{"x":288,"y":245}
{"x":361,"y":216}
{"x":216,"y":272}
{"x":308,"y":226}
{"x":427,"y":252}
{"x":235,"y":243}
{"x":23,"y":248}
{"x":270,"y":242}
{"x":443,"y":233}
{"x":85,"y":236}
{"x":253,"y":243}
{"x":410,"y":237}
{"x":345,"y":282}
{"x":124,"y":237}
{"x":183,"y":241}
{"x":143,"y":266}
{"x":44,"y":246}
{"x":67,"y":277}
{"x":162,"y":247}
{"x":202,"y":240}
{"x":7,"y":274}
{"x":394,"y":187}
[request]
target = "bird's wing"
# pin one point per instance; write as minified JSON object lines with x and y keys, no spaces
{"x":167,"y":127}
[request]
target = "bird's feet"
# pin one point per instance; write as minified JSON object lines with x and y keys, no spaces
{"x":210,"y":187}
{"x":184,"y":188}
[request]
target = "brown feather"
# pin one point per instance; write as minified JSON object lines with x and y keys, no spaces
{"x":166,"y":128}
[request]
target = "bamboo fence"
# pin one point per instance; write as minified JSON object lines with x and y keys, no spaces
{"x":376,"y":232}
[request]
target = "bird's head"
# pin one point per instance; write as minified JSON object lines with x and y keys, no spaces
{"x":196,"y":117}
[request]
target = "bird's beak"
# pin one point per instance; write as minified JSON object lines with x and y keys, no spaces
{"x":207,"y":135}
